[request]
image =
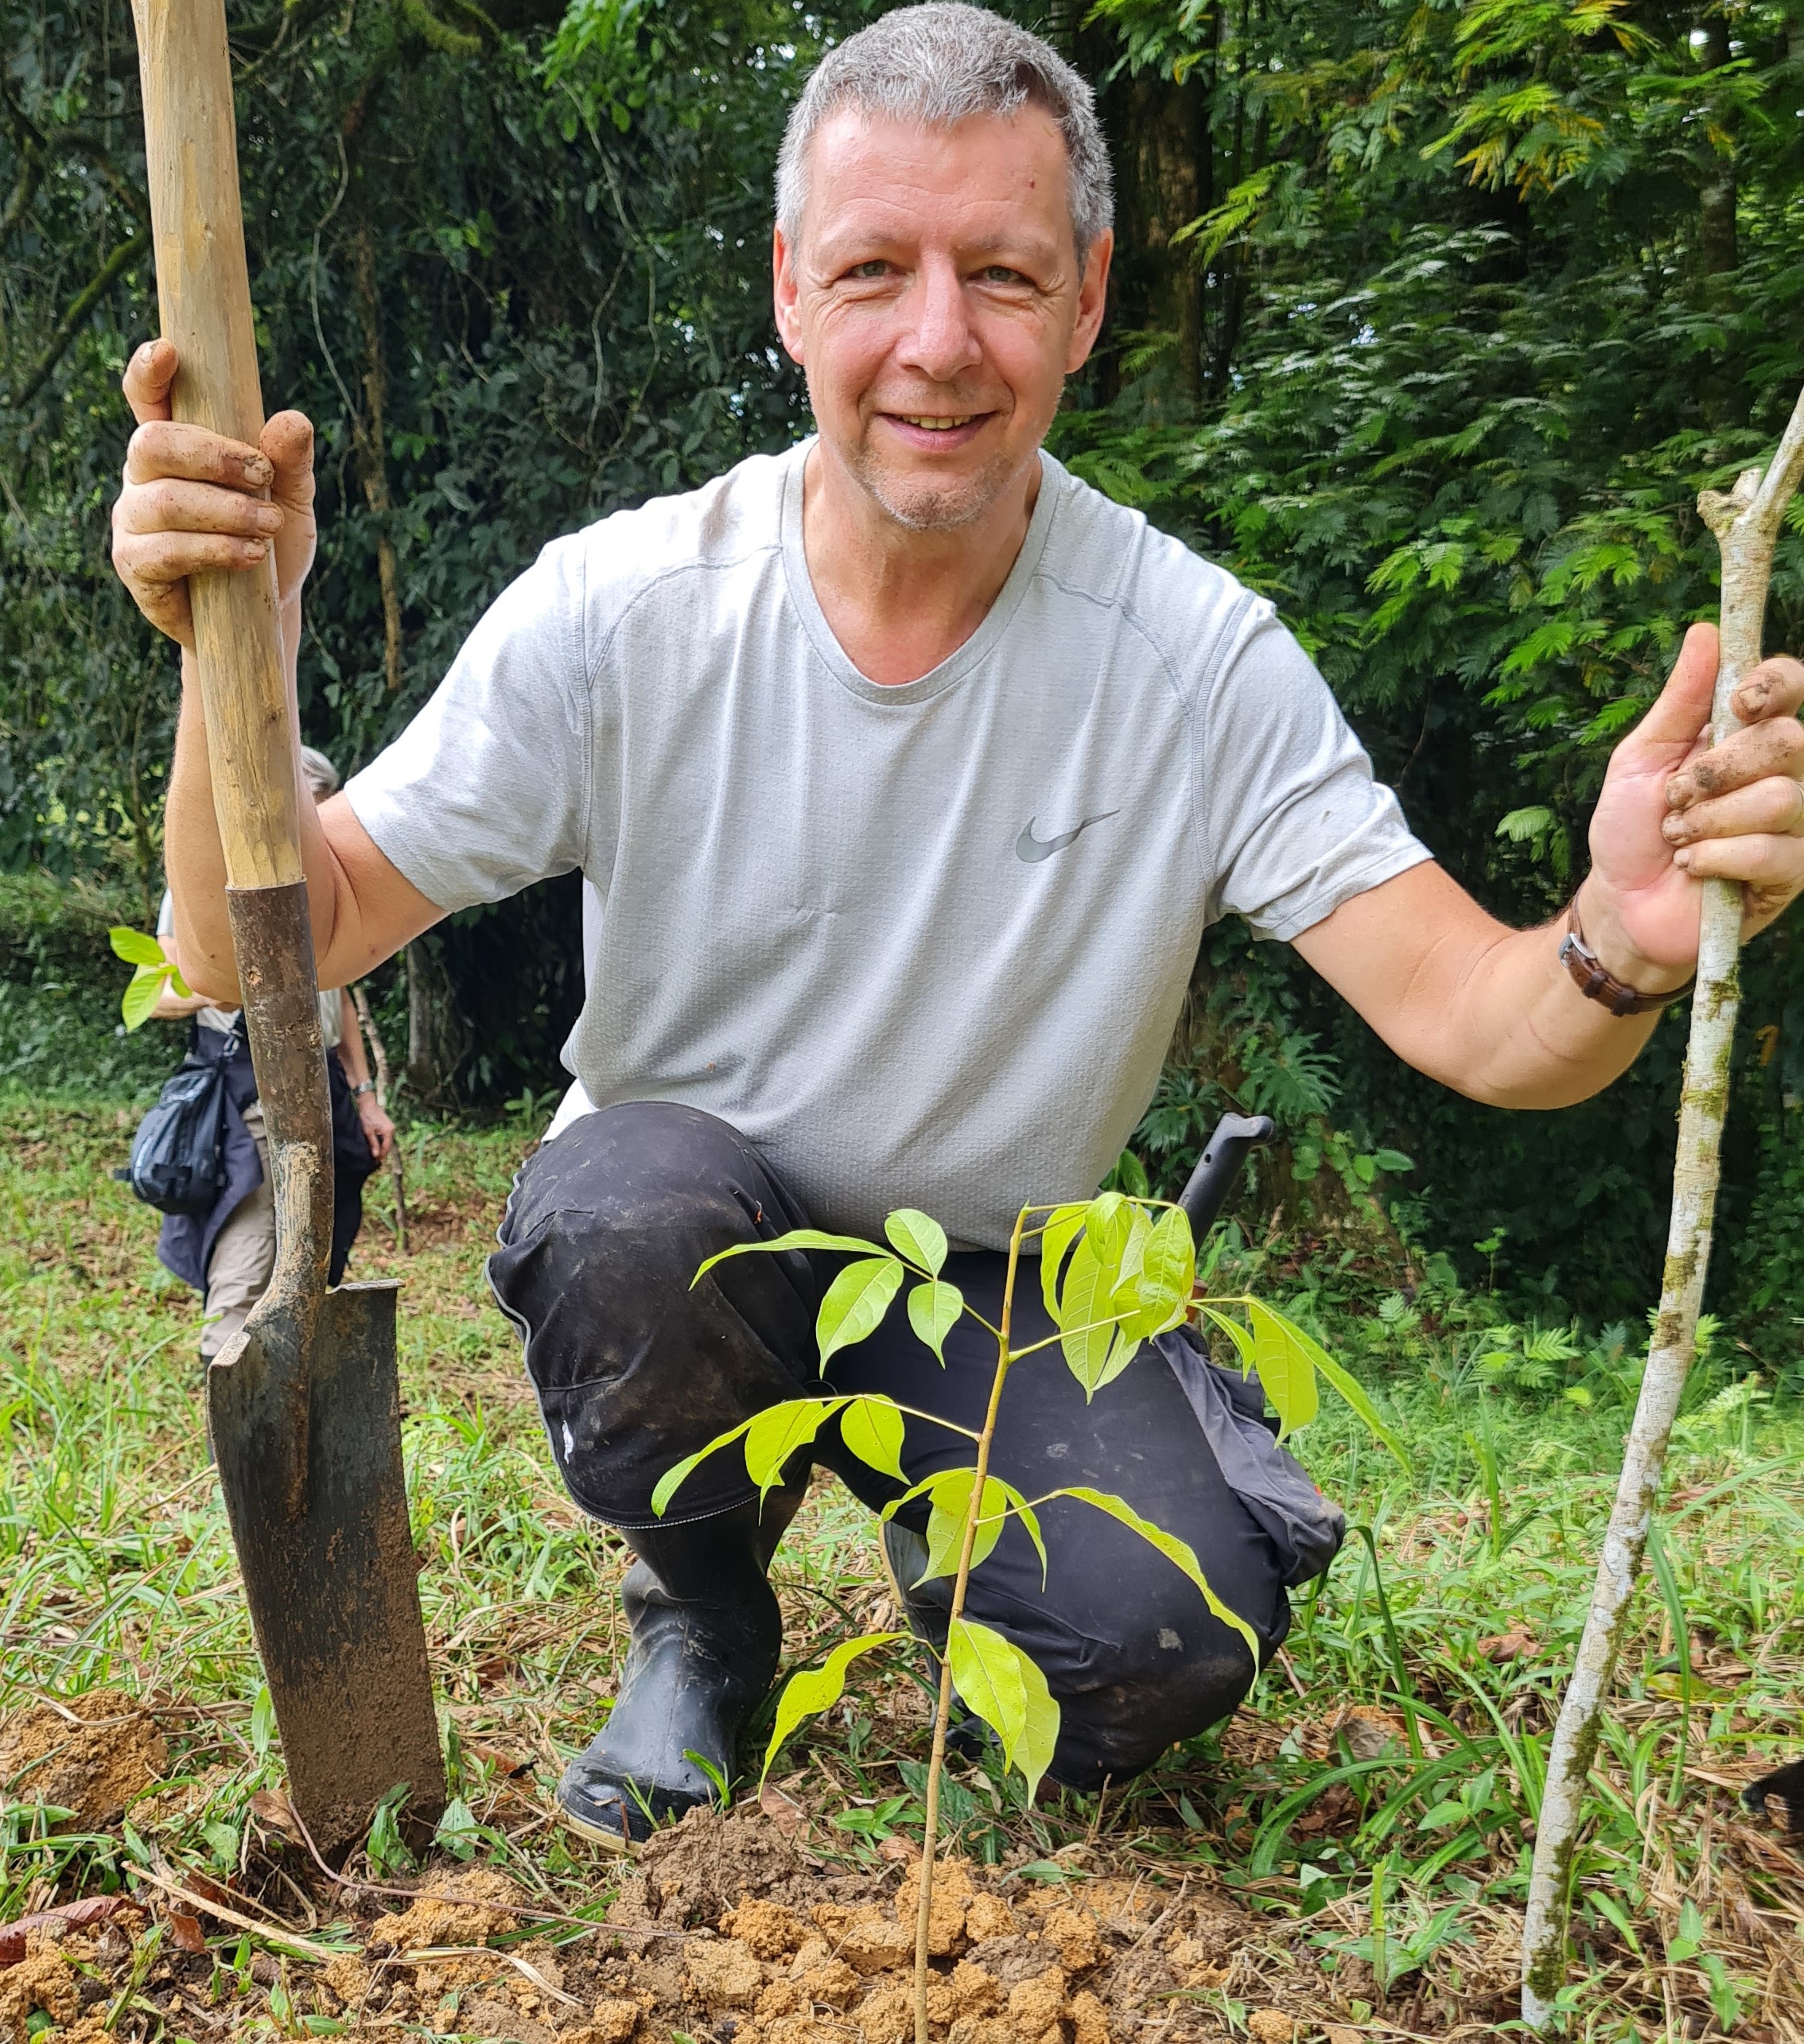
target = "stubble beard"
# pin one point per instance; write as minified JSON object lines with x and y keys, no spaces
{"x":924,"y":505}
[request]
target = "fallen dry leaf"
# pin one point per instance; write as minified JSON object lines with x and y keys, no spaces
{"x":71,"y":1916}
{"x":185,"y":1933}
{"x":787,"y":1816}
{"x":1514,"y":1645}
{"x":274,"y":1811}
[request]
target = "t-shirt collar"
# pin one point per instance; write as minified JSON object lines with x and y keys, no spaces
{"x":975,"y":650}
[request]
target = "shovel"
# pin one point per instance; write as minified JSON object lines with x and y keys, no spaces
{"x":304,"y":1406}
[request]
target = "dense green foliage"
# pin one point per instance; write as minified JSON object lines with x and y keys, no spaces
{"x":1431,"y":317}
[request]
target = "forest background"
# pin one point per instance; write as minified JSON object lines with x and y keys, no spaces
{"x":1430,"y":318}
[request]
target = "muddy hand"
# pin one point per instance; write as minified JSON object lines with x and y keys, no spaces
{"x":1737,"y":810}
{"x":193,"y":500}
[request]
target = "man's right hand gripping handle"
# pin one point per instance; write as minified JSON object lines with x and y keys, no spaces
{"x":192,"y":500}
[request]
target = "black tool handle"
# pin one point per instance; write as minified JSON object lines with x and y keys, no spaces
{"x":1216,"y":1169}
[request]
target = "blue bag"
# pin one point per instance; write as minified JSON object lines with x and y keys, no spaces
{"x":178,"y":1162}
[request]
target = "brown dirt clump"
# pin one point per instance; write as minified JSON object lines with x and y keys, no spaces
{"x":711,"y":1863}
{"x":723,"y":1973}
{"x":766,"y":1928}
{"x":469,"y":1908}
{"x":42,"y":1983}
{"x":94,"y":1766}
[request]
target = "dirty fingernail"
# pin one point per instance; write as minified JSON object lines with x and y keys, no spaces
{"x":257,"y":470}
{"x":268,"y":519}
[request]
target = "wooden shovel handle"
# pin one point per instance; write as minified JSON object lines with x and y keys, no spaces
{"x":203,"y":292}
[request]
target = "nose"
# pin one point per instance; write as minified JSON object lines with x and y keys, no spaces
{"x":939,"y":342}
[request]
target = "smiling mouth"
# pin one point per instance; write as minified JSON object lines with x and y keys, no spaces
{"x":933,"y":424}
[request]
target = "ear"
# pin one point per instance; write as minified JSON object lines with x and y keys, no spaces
{"x":786,"y":296}
{"x":1093,"y":299}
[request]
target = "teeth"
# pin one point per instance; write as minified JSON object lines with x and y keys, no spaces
{"x":940,"y":425}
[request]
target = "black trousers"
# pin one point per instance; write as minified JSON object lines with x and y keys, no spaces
{"x":634,"y":1370}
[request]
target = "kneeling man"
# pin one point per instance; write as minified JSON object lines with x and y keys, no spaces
{"x":906,"y":773}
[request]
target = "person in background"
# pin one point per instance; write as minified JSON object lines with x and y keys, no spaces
{"x":228,"y":1253}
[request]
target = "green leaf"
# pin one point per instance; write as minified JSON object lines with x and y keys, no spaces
{"x":1337,"y":1374}
{"x":667,"y":1484}
{"x":1180,"y":1553}
{"x":1351,"y":1389}
{"x":1235,"y":1333}
{"x":1087,"y":1329}
{"x":933,"y":1310}
{"x":998,"y":1682}
{"x":1030,"y":1521}
{"x":1060,"y":1231}
{"x":1281,"y":1355}
{"x":774,"y":1435}
{"x":919,"y":1236}
{"x":817,"y":1689}
{"x":797,"y":1238}
{"x":871,"y":1427}
{"x":1161,"y":1284}
{"x":135,"y":947}
{"x":949,"y":1494}
{"x":139,"y":1003}
{"x":1108,"y":1226}
{"x":855,"y":1303}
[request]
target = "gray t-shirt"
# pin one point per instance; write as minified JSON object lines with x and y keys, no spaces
{"x":925,"y":946}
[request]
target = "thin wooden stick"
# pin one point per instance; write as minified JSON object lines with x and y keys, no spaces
{"x":942,"y":1713}
{"x":379,"y":1057}
{"x":1747,"y":525}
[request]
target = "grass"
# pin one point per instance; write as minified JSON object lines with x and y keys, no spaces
{"x":1371,"y":1808}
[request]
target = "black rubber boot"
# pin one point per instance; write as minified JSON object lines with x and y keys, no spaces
{"x":707,"y":1635}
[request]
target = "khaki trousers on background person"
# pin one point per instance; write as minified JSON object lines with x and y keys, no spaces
{"x":243,"y":1258}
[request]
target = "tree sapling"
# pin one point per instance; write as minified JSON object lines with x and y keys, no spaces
{"x":1115,"y":1273}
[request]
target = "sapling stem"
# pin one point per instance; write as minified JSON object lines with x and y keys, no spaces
{"x":942,"y":1711}
{"x":1747,"y":524}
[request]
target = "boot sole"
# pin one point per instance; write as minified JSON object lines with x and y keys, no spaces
{"x":604,"y":1835}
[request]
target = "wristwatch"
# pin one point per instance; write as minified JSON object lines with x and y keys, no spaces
{"x":1596,"y":982}
{"x":363,"y":1086}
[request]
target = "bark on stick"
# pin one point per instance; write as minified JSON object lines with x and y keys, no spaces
{"x":1747,"y":523}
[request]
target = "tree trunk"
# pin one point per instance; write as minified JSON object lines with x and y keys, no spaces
{"x":1717,"y":200}
{"x":372,"y":449}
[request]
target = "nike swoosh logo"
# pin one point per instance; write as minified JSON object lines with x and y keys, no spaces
{"x":1032,"y":849}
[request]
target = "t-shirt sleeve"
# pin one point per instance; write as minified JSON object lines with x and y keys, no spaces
{"x":487,"y":791}
{"x":1296,"y":822}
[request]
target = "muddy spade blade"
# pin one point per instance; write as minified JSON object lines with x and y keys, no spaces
{"x":328,"y":1558}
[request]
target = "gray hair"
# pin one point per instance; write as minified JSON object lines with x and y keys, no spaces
{"x":319,"y":773}
{"x":940,"y":64}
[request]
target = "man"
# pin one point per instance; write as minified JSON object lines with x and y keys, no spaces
{"x":228,"y":1254}
{"x":907,"y":772}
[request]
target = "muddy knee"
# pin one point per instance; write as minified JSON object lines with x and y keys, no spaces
{"x":635,"y":1364}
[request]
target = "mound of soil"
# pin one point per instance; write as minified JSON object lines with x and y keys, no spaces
{"x":722,"y":1930}
{"x":92,"y":1755}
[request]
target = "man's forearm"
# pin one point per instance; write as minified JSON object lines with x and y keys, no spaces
{"x":1486,"y":1009}
{"x":194,"y":858}
{"x":1529,"y":1036}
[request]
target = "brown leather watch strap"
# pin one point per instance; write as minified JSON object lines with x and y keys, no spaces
{"x":1596,"y":982}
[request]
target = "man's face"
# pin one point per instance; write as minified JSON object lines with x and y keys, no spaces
{"x":934,"y":298}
